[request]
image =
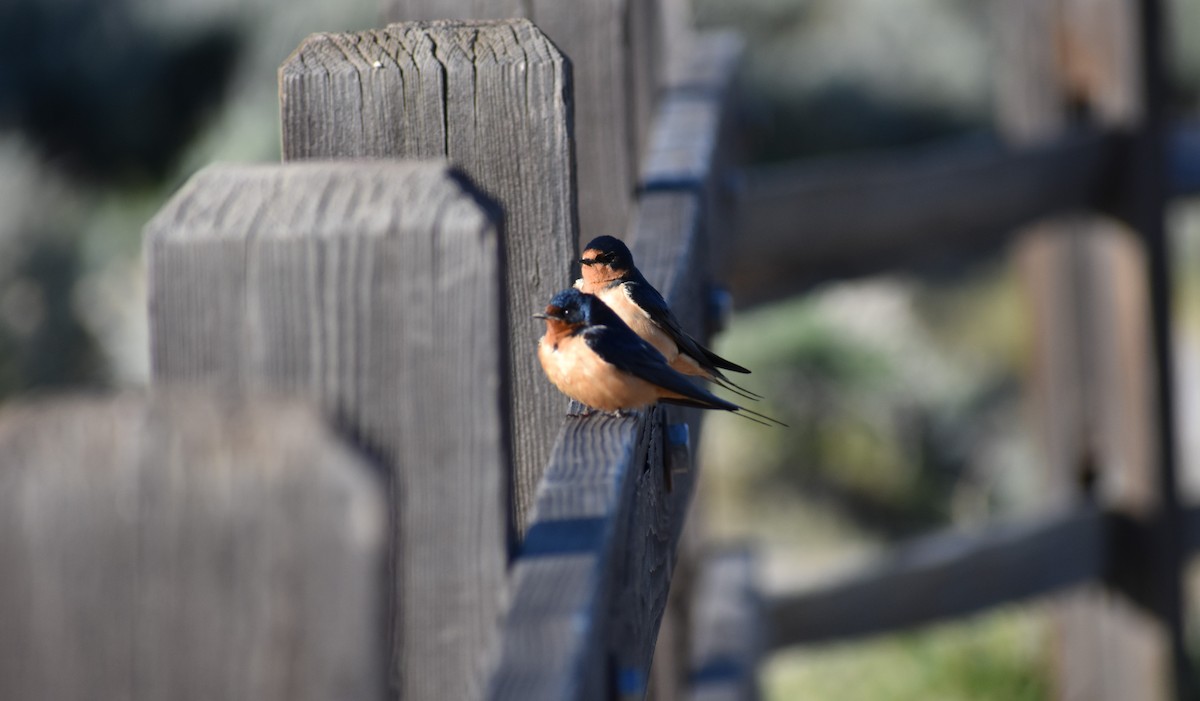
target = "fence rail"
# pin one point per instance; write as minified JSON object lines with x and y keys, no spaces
{"x":592,"y":579}
{"x":440,"y":175}
{"x":801,"y":224}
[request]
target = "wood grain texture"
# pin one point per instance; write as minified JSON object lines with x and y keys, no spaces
{"x":804,"y":223}
{"x":376,"y":289}
{"x":597,"y":36}
{"x":186,"y":546}
{"x":593,"y":578}
{"x":554,"y":640}
{"x":1090,"y":372}
{"x":607,"y":477}
{"x":727,"y":628}
{"x":495,"y":98}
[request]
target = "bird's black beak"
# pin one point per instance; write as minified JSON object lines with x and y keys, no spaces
{"x":551,"y":313}
{"x":587,"y":261}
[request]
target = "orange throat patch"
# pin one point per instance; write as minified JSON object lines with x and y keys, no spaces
{"x":557,"y":330}
{"x":595,"y":276}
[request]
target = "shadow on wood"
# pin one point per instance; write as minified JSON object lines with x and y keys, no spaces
{"x":373,"y":288}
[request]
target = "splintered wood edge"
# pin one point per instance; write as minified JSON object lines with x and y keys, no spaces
{"x":445,"y":88}
{"x":244,"y":202}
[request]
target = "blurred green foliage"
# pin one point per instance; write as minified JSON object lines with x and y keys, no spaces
{"x":997,"y":657}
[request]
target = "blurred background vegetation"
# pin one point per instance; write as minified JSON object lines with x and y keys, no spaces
{"x":902,"y":390}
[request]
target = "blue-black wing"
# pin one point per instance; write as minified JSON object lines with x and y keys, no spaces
{"x":625,"y":350}
{"x":649,"y":299}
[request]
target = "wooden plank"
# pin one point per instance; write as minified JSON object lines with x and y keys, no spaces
{"x":945,"y":576}
{"x":952,"y":574}
{"x":802,"y":223}
{"x":374,"y":288}
{"x":670,"y":237}
{"x":727,"y":629}
{"x":1148,"y":192}
{"x":645,"y":69}
{"x":604,"y":514}
{"x":554,"y":637}
{"x":1091,"y":369}
{"x":598,"y":37}
{"x":595,"y":572}
{"x":186,"y":546}
{"x":595,"y":35}
{"x":495,"y":98}
{"x":678,"y":32}
{"x":698,"y":149}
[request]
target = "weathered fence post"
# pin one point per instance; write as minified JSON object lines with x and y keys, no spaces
{"x":1093,"y":368}
{"x":375,"y":288}
{"x":186,"y":546}
{"x":494,"y":98}
{"x":593,"y":579}
{"x":615,"y":48}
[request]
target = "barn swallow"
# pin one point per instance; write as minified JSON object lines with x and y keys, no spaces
{"x":607,"y":271}
{"x":595,"y":359}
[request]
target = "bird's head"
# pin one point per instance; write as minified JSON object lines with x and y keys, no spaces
{"x":605,"y":258}
{"x":572,"y":309}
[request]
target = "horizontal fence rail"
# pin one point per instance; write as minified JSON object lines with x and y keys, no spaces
{"x":799,"y":224}
{"x":954,"y":574}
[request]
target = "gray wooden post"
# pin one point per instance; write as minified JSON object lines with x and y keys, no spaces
{"x":186,"y":547}
{"x":374,"y":288}
{"x":615,"y":48}
{"x":495,"y":98}
{"x":1091,"y":375}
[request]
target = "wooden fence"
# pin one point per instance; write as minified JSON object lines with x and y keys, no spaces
{"x":445,"y":529}
{"x":376,"y":494}
{"x":1079,"y":193}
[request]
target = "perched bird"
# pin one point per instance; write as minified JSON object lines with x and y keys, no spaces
{"x":594,"y":358}
{"x":607,"y":271}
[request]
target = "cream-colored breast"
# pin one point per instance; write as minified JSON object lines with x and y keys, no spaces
{"x":585,"y":377}
{"x":619,"y":300}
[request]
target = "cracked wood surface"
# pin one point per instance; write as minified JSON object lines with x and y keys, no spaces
{"x":494,"y":97}
{"x":373,"y":288}
{"x":616,"y":49}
